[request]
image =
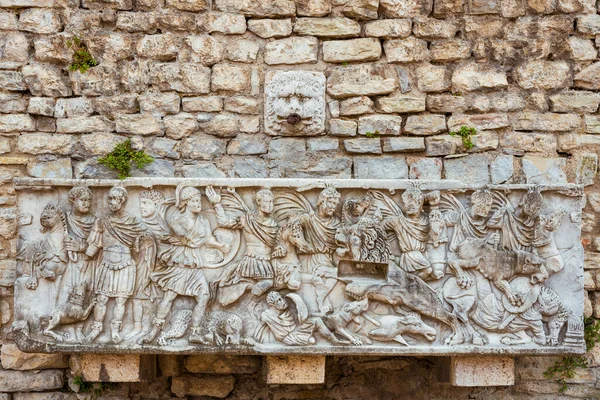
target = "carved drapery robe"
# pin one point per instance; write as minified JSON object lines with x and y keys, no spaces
{"x":79,"y":228}
{"x":117,"y":237}
{"x":412,"y":235}
{"x":320,"y":234}
{"x":281,"y":326}
{"x":184,"y":257}
{"x":517,"y":233}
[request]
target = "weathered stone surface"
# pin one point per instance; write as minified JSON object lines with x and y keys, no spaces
{"x":367,"y":80}
{"x":230,"y":78}
{"x":99,"y":143}
{"x":250,"y":8}
{"x":229,"y":24}
{"x":40,"y":20}
{"x":406,"y":50}
{"x":202,"y":104}
{"x":295,"y":370}
{"x":219,"y":364}
{"x":433,"y":78}
{"x":185,"y":78}
{"x":543,"y":171}
{"x":582,"y":49}
{"x":180,"y":125}
{"x":189,"y":385}
{"x":244,"y":144}
{"x":270,"y":28}
{"x":588,"y":78}
{"x":478,"y":121}
{"x":389,"y":28}
{"x":587,"y":169}
{"x":529,"y":141}
{"x":113,"y":368}
{"x":189,"y":5}
{"x":366,"y":49}
{"x":380,"y":168}
{"x":482,"y":371}
{"x":405,"y":9}
{"x":138,"y":124}
{"x":203,"y":49}
{"x":12,"y":80}
{"x":13,"y":358}
{"x":530,"y":121}
{"x":401,"y":103}
{"x":361,"y":9}
{"x":432,"y":28}
{"x":58,"y":169}
{"x":471,"y":77}
{"x":588,"y":24}
{"x":73,"y":107}
{"x":110,"y":106}
{"x":425,"y":124}
{"x":341,"y":127}
{"x":131,"y":22}
{"x":472,"y":169}
{"x":327,"y":27}
{"x":443,"y":145}
{"x":363,"y":146}
{"x":35,"y":381}
{"x":323,"y":144}
{"x":502,"y":169}
{"x":295,"y":50}
{"x":159,"y":103}
{"x":313,"y":8}
{"x":40,"y":143}
{"x":379,"y":125}
{"x":592,"y":124}
{"x":449,"y":50}
{"x":403,"y":144}
{"x":158,"y":47}
{"x":14,"y":48}
{"x":98,"y":81}
{"x":45,"y":80}
{"x":15,"y":103}
{"x":543,"y":75}
{"x":426,"y":168}
{"x":195,"y":171}
{"x":575,"y":101}
{"x":83,"y":125}
{"x":239,"y":50}
{"x":16,"y":123}
{"x":356,"y":106}
{"x":202,"y":147}
{"x":446,"y":103}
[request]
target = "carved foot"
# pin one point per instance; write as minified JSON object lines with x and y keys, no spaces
{"x":137,"y":330}
{"x":157,"y":325}
{"x":115,"y":327}
{"x":196,"y":336}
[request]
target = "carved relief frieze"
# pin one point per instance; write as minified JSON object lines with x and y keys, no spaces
{"x":299,"y":266}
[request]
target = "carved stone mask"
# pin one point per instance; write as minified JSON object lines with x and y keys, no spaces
{"x":295,"y":103}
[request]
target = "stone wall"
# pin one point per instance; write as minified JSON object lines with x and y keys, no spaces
{"x":185,"y":81}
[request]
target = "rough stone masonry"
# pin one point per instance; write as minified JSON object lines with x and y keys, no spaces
{"x":187,"y":81}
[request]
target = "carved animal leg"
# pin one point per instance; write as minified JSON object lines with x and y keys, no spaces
{"x":503,"y":285}
{"x":353,"y":339}
{"x":462,"y":279}
{"x":53,"y":323}
{"x":324,"y":331}
{"x":163,"y":310}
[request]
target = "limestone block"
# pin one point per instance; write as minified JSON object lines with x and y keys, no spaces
{"x":242,"y":105}
{"x":542,"y":171}
{"x":45,"y":80}
{"x":181,"y":77}
{"x":8,"y":20}
{"x":230,"y":78}
{"x":364,"y":79}
{"x":356,"y":106}
{"x":113,"y":368}
{"x":389,"y":28}
{"x":575,"y":101}
{"x":241,"y":50}
{"x":99,"y":143}
{"x":406,"y":50}
{"x":166,"y":148}
{"x":478,"y":121}
{"x":327,"y":27}
{"x":226,"y":23}
{"x":159,"y":103}
{"x":403,"y":144}
{"x":252,"y":8}
{"x":323,"y":144}
{"x":341,"y":127}
{"x":189,"y":385}
{"x":244,"y":144}
{"x":449,"y":50}
{"x":12,"y":80}
{"x":13,"y":103}
{"x":270,"y":28}
{"x":380,"y":168}
{"x":500,"y":102}
{"x":14,"y":49}
{"x":446,"y":103}
{"x":295,"y":370}
{"x":592,"y":124}
{"x":502,"y":169}
{"x":31,"y":381}
{"x":582,"y":49}
{"x":529,"y":121}
{"x":366,"y":49}
{"x":588,"y":24}
{"x":202,"y":147}
{"x":432,"y":28}
{"x":588,"y":77}
{"x":471,"y":169}
{"x":426,"y":168}
{"x":84,"y":125}
{"x":8,"y":268}
{"x":313,"y":8}
{"x":425,"y":124}
{"x":40,"y":20}
{"x":433,"y":78}
{"x":13,"y":358}
{"x":16,"y":123}
{"x":203,"y":49}
{"x":112,"y":105}
{"x":443,"y":145}
{"x":138,"y":124}
{"x":58,"y":169}
{"x":287,"y":148}
{"x":136,"y":22}
{"x":222,"y":364}
{"x":98,"y":81}
{"x":189,"y":5}
{"x":295,"y":50}
{"x":158,"y":47}
{"x":202,"y":104}
{"x":545,"y":75}
{"x":404,"y":103}
{"x":361,"y":9}
{"x":41,"y":143}
{"x":73,"y":107}
{"x":405,"y":9}
{"x":380,"y":124}
{"x":529,"y":141}
{"x":482,"y":371}
{"x":363,"y":146}
{"x":472,"y":76}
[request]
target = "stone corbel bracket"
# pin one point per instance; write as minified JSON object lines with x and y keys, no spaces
{"x":411,"y":286}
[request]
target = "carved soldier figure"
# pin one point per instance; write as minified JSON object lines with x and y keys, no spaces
{"x":412,"y":230}
{"x":190,"y":234}
{"x":115,"y":239}
{"x":319,"y":230}
{"x":259,"y":230}
{"x":517,"y":228}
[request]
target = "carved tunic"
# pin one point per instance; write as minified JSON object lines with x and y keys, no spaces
{"x":320,"y":233}
{"x":517,"y":233}
{"x":116,"y":272}
{"x":79,"y":228}
{"x":281,"y":325}
{"x":184,"y":258}
{"x":412,"y":236}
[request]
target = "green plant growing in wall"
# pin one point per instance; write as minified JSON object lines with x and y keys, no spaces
{"x":123,"y":157}
{"x":372,"y":134}
{"x":82,"y":59}
{"x":567,"y":366}
{"x":94,"y":389}
{"x":465,"y":132}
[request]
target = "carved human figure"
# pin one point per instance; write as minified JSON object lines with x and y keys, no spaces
{"x":123,"y":246}
{"x":319,"y":227}
{"x":543,"y":240}
{"x":517,"y":226}
{"x":79,"y":222}
{"x":259,"y":231}
{"x":152,"y":212}
{"x":295,"y":103}
{"x":190,"y":233}
{"x":50,"y":255}
{"x":412,"y":229}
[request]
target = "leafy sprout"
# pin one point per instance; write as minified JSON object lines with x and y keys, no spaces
{"x":123,"y":157}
